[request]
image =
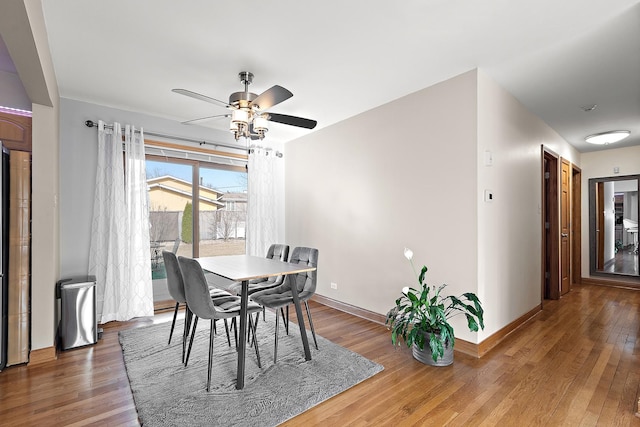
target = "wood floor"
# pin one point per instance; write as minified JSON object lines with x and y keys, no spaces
{"x":625,"y":261}
{"x":575,"y":363}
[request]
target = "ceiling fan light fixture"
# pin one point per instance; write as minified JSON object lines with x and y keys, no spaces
{"x":608,"y":137}
{"x":249,"y":117}
{"x":239,"y":122}
{"x":240,"y":117}
{"x":260,"y":124}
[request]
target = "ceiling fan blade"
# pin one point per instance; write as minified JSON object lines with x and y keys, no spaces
{"x":200,"y":97}
{"x":292,"y":120}
{"x":270,"y":97}
{"x":188,"y":122}
{"x":252,"y":134}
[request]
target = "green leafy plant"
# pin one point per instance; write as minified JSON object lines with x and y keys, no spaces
{"x":187,"y":223}
{"x":424,"y":313}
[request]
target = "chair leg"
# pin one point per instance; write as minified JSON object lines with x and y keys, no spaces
{"x":173,"y":324}
{"x":193,"y":333}
{"x":251,"y":334}
{"x":313,"y":331}
{"x":226,"y":327}
{"x":211,"y":335}
{"x":185,"y":334}
{"x":253,"y":328}
{"x":235,"y":331}
{"x":275,"y":346}
{"x":256,"y":327}
{"x":188,"y":318}
{"x":285,"y":320}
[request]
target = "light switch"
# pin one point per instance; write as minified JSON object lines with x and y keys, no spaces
{"x":488,"y":158}
{"x":488,"y":196}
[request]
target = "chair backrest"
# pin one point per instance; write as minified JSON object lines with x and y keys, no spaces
{"x":196,"y":288}
{"x":305,"y":282}
{"x":176,"y":244}
{"x":278,"y":251}
{"x":174,"y":277}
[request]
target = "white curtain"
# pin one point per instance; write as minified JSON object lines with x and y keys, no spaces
{"x":261,"y":210}
{"x":119,"y":254}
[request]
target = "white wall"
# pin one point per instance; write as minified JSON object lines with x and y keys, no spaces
{"x":78,"y":159}
{"x":13,"y":93}
{"x":411,"y":173}
{"x":600,"y":164}
{"x":400,"y":175}
{"x":24,"y":33}
{"x":509,"y":227}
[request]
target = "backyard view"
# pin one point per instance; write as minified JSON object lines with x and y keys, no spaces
{"x":219,"y":213}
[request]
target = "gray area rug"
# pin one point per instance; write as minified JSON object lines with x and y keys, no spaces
{"x":166,"y":393}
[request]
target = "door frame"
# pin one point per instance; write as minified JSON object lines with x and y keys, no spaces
{"x":599,"y":228}
{"x":576,"y":225}
{"x":565,"y":226}
{"x":550,"y":219}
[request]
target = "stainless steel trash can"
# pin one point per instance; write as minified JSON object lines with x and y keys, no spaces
{"x":78,"y":325}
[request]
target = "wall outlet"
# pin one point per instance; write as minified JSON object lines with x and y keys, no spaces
{"x":334,"y":285}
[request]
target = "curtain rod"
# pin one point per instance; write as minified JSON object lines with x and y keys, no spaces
{"x":91,"y":123}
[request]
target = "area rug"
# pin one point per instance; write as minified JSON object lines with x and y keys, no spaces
{"x":166,"y":393}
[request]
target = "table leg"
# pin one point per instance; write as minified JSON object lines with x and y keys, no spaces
{"x":242,"y":338}
{"x":303,"y":330}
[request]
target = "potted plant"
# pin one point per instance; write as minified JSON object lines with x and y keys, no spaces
{"x":422,"y":316}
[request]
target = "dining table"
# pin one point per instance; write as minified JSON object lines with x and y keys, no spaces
{"x":243,"y":268}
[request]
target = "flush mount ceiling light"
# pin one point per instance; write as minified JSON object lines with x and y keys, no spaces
{"x":607,"y":137}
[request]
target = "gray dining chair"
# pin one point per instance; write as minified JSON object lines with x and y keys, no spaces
{"x":281,"y":296}
{"x":276,"y":251}
{"x":175,"y":284}
{"x":197,"y":292}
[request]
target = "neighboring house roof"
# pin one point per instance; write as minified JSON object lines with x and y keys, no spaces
{"x":183,"y":182}
{"x":185,"y":193}
{"x":233,"y":197}
{"x":169,"y":184}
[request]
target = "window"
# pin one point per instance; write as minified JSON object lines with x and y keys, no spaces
{"x":196,"y":221}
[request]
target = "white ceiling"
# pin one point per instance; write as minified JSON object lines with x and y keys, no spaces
{"x":341,"y":58}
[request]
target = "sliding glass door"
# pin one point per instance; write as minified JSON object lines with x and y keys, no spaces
{"x":222,"y":211}
{"x":170,"y":187}
{"x":207,"y":219}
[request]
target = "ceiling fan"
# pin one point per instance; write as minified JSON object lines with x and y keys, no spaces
{"x":249,"y":115}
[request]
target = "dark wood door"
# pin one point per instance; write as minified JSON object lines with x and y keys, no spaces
{"x":550,"y":247}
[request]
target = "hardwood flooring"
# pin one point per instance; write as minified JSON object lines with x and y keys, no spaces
{"x":575,"y":363}
{"x":625,"y":262}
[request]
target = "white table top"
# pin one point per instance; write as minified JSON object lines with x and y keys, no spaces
{"x":247,"y":267}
